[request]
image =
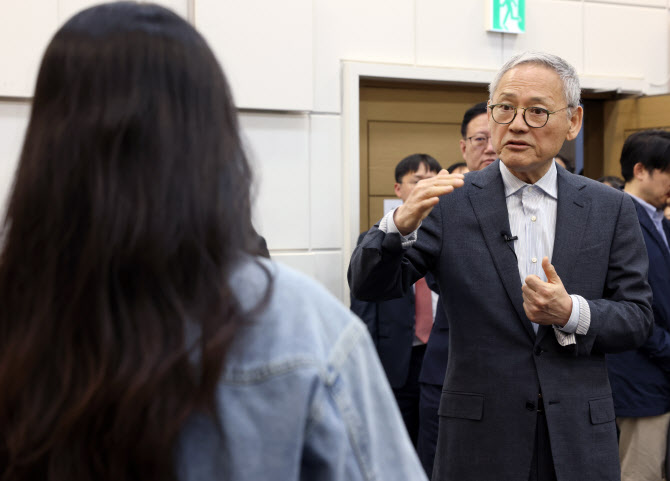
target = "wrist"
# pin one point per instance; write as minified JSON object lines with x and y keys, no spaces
{"x":402,"y":223}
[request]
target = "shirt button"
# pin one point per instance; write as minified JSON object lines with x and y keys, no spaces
{"x":533,"y":218}
{"x":530,"y":189}
{"x":534,"y":259}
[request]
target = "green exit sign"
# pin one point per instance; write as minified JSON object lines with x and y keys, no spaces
{"x":507,"y":16}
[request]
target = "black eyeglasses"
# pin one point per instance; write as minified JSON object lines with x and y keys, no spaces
{"x":534,"y":117}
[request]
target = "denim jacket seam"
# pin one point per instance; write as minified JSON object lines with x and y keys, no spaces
{"x":342,"y":349}
{"x":270,"y":370}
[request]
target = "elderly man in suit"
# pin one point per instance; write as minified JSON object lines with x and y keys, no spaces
{"x":542,"y":273}
{"x":641,"y":378}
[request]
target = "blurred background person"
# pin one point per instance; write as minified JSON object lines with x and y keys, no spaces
{"x":475,"y":144}
{"x":612,"y":181}
{"x":641,"y":378}
{"x":400,"y":327}
{"x":458,"y":168}
{"x":565,"y":162}
{"x":141,"y":338}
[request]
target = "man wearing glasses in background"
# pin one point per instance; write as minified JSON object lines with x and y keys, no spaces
{"x":476,"y":144}
{"x":542,"y":273}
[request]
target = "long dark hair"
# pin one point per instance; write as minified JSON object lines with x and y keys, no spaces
{"x":129,"y":210}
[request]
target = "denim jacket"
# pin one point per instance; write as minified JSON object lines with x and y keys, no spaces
{"x":302,"y":395}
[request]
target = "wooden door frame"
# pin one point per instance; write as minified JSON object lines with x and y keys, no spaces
{"x":352,"y":74}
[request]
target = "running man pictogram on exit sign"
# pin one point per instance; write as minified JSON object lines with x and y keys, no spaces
{"x":507,"y":16}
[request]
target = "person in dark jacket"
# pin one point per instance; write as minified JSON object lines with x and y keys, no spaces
{"x":641,"y":378}
{"x":392,"y":324}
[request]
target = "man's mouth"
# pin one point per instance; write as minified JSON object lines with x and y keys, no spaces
{"x":518,"y":143}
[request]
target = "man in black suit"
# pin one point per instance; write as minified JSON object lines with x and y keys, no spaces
{"x":392,"y":323}
{"x":641,"y":378}
{"x":541,"y":273}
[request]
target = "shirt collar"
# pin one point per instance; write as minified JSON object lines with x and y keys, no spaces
{"x":655,"y":214}
{"x":548,"y":183}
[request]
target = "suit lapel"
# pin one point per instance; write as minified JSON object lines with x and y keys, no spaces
{"x":648,"y":224}
{"x":487,"y":198}
{"x":572,"y":212}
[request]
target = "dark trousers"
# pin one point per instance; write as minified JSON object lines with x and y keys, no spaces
{"x":407,"y":396}
{"x":542,"y":465}
{"x":429,"y":424}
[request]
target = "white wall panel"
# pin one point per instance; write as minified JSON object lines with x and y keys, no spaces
{"x":626,"y":42}
{"x":328,"y":270}
{"x":179,"y":7}
{"x":278,"y":147}
{"x":324,"y":267}
{"x":370,"y":30}
{"x":641,"y":3}
{"x":13,"y":122}
{"x":67,"y":8}
{"x":541,"y":18}
{"x":303,"y":262}
{"x":325,"y":182}
{"x":265,"y":48}
{"x":453,"y":34}
{"x":26,"y":26}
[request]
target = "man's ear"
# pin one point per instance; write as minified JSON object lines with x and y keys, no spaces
{"x":575,"y":123}
{"x":462,"y":143}
{"x":396,"y":189}
{"x":639,"y":171}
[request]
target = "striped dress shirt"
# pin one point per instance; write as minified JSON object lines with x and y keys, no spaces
{"x":532,"y":218}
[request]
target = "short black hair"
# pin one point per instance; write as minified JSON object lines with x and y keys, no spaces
{"x":613,"y":180}
{"x":471,"y":113}
{"x":411,"y":163}
{"x":649,"y":147}
{"x":455,"y":166}
{"x":569,"y":165}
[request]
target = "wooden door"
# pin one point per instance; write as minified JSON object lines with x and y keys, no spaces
{"x":624,"y":117}
{"x":397,"y":120}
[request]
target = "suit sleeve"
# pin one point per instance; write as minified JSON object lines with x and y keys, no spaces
{"x":657,"y":347}
{"x":622,"y":319}
{"x":367,"y":311}
{"x":381,"y":269}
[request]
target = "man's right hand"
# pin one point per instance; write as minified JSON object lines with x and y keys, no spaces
{"x":423,"y":198}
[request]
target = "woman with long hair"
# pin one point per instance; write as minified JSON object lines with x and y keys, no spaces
{"x":141,"y":336}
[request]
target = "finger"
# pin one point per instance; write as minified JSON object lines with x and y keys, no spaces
{"x":529,"y":295}
{"x":550,"y":271}
{"x":445,"y":173}
{"x":534,"y":282}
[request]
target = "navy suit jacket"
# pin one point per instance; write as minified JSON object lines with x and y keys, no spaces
{"x":641,"y":378}
{"x":437,"y":350}
{"x":391,"y":325}
{"x":497,"y":364}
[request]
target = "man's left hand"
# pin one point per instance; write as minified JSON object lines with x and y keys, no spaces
{"x":548,"y":302}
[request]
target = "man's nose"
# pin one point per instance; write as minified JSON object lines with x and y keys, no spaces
{"x":519,"y":123}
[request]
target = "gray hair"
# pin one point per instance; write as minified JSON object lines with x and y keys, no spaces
{"x":566,"y":72}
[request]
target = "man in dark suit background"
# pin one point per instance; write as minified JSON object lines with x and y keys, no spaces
{"x":478,"y":153}
{"x":392,"y":323}
{"x":541,"y":272}
{"x":641,"y":378}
